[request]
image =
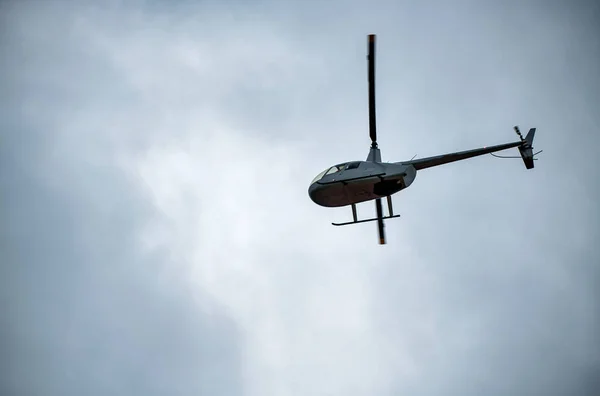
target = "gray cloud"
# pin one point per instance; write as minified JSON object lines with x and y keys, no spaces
{"x":155,"y":161}
{"x":85,"y":311}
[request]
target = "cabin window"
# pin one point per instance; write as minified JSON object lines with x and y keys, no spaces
{"x":333,"y":169}
{"x":353,"y":165}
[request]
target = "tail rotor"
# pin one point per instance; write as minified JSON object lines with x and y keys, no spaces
{"x":518,"y":132}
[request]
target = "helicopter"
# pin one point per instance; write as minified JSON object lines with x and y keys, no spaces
{"x":354,"y":182}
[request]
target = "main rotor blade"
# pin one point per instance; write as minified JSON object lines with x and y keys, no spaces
{"x":380,"y":221}
{"x":371,"y":60}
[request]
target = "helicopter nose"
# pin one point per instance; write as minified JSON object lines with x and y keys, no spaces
{"x":314,"y":192}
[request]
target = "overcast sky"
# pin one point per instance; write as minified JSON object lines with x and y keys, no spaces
{"x":156,"y":232}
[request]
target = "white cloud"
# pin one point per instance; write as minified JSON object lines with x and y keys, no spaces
{"x":243,"y":224}
{"x":232,"y":205}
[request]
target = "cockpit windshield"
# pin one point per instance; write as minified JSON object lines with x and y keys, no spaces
{"x":319,"y":176}
{"x":328,"y":171}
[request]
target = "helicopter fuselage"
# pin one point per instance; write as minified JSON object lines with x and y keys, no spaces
{"x":359,"y":181}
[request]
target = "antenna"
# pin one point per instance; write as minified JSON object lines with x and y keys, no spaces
{"x":514,"y":156}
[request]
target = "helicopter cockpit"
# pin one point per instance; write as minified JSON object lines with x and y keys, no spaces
{"x":335,"y":169}
{"x":328,"y":171}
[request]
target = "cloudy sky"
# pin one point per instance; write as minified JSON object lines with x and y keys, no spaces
{"x":156,"y":233}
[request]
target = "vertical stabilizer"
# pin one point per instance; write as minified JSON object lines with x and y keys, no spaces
{"x":526,"y":149}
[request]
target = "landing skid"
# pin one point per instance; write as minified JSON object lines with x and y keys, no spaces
{"x":356,"y":221}
{"x":364,"y":221}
